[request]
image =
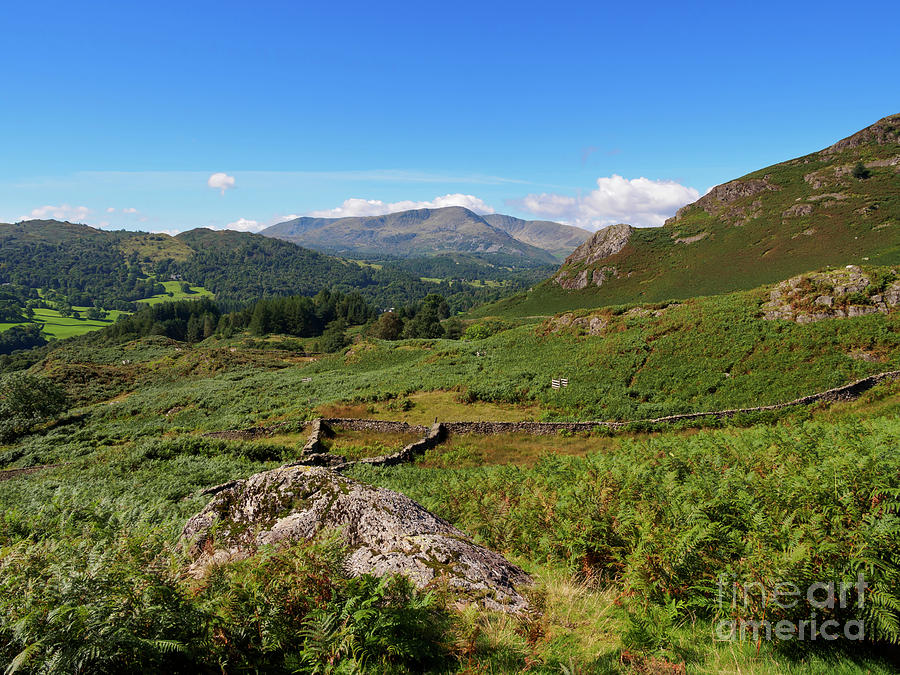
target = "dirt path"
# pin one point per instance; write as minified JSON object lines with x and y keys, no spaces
{"x":6,"y":474}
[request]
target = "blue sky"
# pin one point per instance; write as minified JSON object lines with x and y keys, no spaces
{"x":119,"y":113}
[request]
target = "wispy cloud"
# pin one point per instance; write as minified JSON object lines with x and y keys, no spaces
{"x":228,"y":181}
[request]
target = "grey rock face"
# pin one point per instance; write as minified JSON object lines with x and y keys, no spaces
{"x":385,"y":532}
{"x":798,"y":210}
{"x":882,"y":133}
{"x":830,"y":295}
{"x":603,"y":244}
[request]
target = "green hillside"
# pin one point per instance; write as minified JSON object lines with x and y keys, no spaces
{"x":623,"y":363}
{"x":625,"y":533}
{"x":838,"y":206}
{"x":79,"y":266}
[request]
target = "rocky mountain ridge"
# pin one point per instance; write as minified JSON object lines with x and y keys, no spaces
{"x":418,"y":232}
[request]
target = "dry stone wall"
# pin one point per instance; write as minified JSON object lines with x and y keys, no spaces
{"x":314,"y":452}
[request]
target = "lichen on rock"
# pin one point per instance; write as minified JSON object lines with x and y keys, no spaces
{"x":836,"y":294}
{"x":385,"y":533}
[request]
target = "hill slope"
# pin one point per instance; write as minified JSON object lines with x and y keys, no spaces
{"x":452,"y":229}
{"x":557,"y":238}
{"x":85,"y":267}
{"x":803,"y":214}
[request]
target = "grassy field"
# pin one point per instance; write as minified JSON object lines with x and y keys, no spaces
{"x":174,"y":293}
{"x":425,"y":406}
{"x":59,"y":327}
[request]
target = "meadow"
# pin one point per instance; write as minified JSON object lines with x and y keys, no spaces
{"x":60,"y":327}
{"x":174,"y":293}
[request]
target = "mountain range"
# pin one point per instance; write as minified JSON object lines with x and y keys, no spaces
{"x":420,"y":232}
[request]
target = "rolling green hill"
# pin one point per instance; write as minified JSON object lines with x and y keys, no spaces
{"x":837,"y":206}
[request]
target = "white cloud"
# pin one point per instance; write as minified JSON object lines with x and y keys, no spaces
{"x":75,"y":214}
{"x":129,"y":210}
{"x":221,"y":181}
{"x":376,"y":207}
{"x":110,"y":210}
{"x":639,"y":201}
{"x":245,"y":225}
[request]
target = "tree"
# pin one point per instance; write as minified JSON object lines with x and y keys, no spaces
{"x":425,"y":324}
{"x":438,"y":304}
{"x":259,"y":322}
{"x":388,"y":327}
{"x":334,"y":338}
{"x":194,"y":329}
{"x":26,"y":400}
{"x":860,"y":172}
{"x":21,"y":337}
{"x":477,"y":331}
{"x":95,"y":314}
{"x":453,"y":329}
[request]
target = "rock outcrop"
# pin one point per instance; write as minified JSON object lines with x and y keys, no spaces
{"x":385,"y":533}
{"x":720,"y":201}
{"x":837,"y":294}
{"x":885,"y":131}
{"x":603,"y":244}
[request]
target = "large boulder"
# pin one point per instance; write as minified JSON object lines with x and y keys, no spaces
{"x":385,"y":532}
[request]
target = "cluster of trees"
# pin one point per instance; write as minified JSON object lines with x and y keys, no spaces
{"x":327,"y":314}
{"x":188,"y":321}
{"x":241,"y":267}
{"x":25,"y":401}
{"x":15,"y":303}
{"x":86,"y":272}
{"x":21,"y":337}
{"x":301,"y":316}
{"x":422,"y":320}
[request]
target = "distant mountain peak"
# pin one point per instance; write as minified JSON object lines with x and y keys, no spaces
{"x":432,"y":231}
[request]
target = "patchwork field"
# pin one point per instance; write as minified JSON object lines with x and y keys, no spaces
{"x":174,"y":293}
{"x":60,"y":327}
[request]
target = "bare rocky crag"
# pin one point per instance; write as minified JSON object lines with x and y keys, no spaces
{"x":720,"y":199}
{"x":602,"y":245}
{"x":835,"y":294}
{"x":385,"y":533}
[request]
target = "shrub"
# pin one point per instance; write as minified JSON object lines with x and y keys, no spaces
{"x":27,"y":400}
